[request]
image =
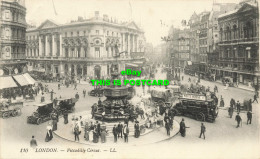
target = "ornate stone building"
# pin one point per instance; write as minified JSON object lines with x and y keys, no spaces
{"x":12,"y":34}
{"x":239,"y":44}
{"x":86,"y":47}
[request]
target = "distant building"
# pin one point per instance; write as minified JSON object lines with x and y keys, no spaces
{"x":85,"y":47}
{"x":239,"y":44}
{"x":12,"y":34}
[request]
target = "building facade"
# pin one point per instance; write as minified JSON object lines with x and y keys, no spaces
{"x":86,"y":47}
{"x":12,"y":34}
{"x":239,"y":44}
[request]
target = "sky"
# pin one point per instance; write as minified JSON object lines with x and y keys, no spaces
{"x":146,"y":13}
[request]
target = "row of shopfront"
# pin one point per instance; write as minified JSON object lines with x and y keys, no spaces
{"x":17,"y":80}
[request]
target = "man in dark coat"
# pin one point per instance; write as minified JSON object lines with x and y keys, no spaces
{"x":120,"y":130}
{"x":115,"y":133}
{"x":230,"y":111}
{"x":99,"y":102}
{"x":238,"y":106}
{"x":65,"y":116}
{"x":168,"y":127}
{"x":202,"y":130}
{"x":33,"y":142}
{"x":77,"y":96}
{"x":84,"y":93}
{"x":126,"y":132}
{"x":255,"y":98}
{"x":249,"y":117}
{"x":98,"y":128}
{"x":52,"y":94}
{"x":137,"y":131}
{"x":238,"y":119}
{"x":182,"y":128}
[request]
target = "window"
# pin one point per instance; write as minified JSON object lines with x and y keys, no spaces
{"x":107,"y":33}
{"x":66,"y":34}
{"x":97,"y":52}
{"x":7,"y":16}
{"x":78,"y":33}
{"x":97,"y":32}
{"x":112,"y":33}
{"x":71,"y":33}
{"x":84,"y":33}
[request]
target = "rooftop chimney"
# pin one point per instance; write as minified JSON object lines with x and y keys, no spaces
{"x":96,"y":14}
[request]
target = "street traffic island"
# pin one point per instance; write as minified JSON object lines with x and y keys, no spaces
{"x":157,"y":133}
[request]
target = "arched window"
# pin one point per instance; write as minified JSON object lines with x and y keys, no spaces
{"x":235,"y":32}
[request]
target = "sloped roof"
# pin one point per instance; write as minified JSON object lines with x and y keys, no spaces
{"x":48,"y":24}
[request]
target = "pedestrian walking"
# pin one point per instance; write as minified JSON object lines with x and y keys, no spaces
{"x":49,"y":135}
{"x":75,"y":86}
{"x":238,"y":119}
{"x":230,"y":111}
{"x":137,"y":129}
{"x":126,"y":133}
{"x":238,"y":106}
{"x":115,"y":133}
{"x":202,"y":130}
{"x":249,"y":117}
{"x":168,"y":127}
{"x":183,"y":128}
{"x":255,"y":99}
{"x":52,"y":92}
{"x":87,"y":129}
{"x":59,"y":86}
{"x":222,"y":104}
{"x":84,"y":93}
{"x":65,"y":116}
{"x":33,"y":143}
{"x":77,"y":96}
{"x":76,"y":131}
{"x":120,"y":130}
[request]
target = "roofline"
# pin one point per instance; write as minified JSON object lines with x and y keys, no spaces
{"x":82,"y":23}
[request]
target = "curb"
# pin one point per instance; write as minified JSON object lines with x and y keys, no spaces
{"x":91,"y":144}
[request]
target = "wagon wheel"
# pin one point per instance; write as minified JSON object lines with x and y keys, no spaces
{"x":28,"y":120}
{"x":14,"y":113}
{"x":200,"y":117}
{"x":39,"y":121}
{"x":5,"y":115}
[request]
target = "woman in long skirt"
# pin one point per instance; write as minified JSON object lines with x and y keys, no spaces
{"x":49,"y":135}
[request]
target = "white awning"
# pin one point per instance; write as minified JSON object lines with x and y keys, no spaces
{"x":189,"y":62}
{"x":29,"y":78}
{"x":130,"y":65}
{"x":7,"y":82}
{"x":248,"y":48}
{"x":21,"y":80}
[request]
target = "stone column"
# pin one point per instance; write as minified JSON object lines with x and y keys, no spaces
{"x":82,"y":69}
{"x":54,"y":50}
{"x":46,"y":46}
{"x":128,"y":43}
{"x":40,"y":46}
{"x":123,"y":42}
{"x":75,"y":70}
{"x":61,"y":49}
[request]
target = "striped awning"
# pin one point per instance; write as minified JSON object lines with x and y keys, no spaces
{"x":7,"y":82}
{"x":29,"y":78}
{"x":21,"y":80}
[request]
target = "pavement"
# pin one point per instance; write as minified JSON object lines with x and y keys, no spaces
{"x":150,"y":136}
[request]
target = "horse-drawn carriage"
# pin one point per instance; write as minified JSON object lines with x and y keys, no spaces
{"x":8,"y":109}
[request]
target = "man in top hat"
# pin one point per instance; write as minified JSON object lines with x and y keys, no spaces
{"x":249,"y":117}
